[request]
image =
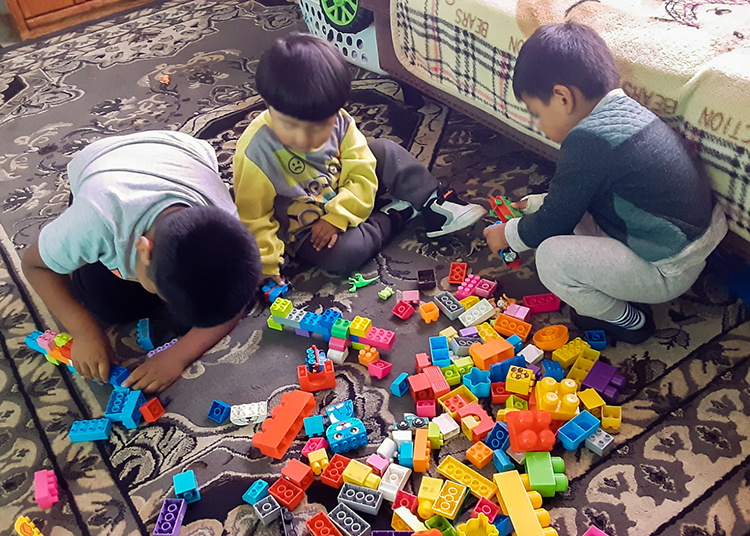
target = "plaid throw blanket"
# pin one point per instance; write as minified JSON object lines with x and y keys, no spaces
{"x":686,"y":60}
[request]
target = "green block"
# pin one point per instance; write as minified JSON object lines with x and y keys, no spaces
{"x":274,"y":325}
{"x":358,"y":346}
{"x":386,"y":293}
{"x":545,"y":473}
{"x":51,"y":359}
{"x":340,"y":328}
{"x":464,"y":365}
{"x":452,"y":375}
{"x":61,"y":339}
{"x":442,"y":524}
{"x":516,"y":402}
{"x":281,"y":307}
{"x":434,"y":436}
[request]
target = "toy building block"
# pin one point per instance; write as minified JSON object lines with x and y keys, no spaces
{"x":360,"y":474}
{"x":558,"y":399}
{"x":490,"y":352}
{"x":518,"y":311}
{"x":553,"y":369}
{"x":507,"y":326}
{"x":454,"y":470}
{"x":592,"y":401}
{"x":486,"y":332}
{"x":410,"y":296}
{"x":379,"y":369}
{"x":267,"y":509}
{"x":530,"y":431}
{"x":519,"y":381}
{"x":404,"y":520}
{"x":360,"y":499}
{"x":441,"y":524}
{"x":422,"y":361}
{"x":320,"y":525}
{"x":334,"y":343}
{"x":593,"y":531}
{"x":170,"y":517}
{"x":313,"y":444}
{"x":426,"y":280}
{"x":478,"y":526}
{"x":499,"y":371}
{"x":469,"y":301}
{"x":346,"y":435}
{"x":522,"y":507}
{"x":298,"y":473}
{"x":32,"y":339}
{"x":328,"y":319}
{"x":385,"y":293}
{"x":360,"y":327}
{"x":502,"y":209}
{"x":478,"y":382}
{"x":532,"y":354}
{"x":449,"y":333}
{"x":464,"y":365}
{"x":407,"y":500}
{"x":145,"y":335}
{"x":575,"y":431}
{"x":498,"y":393}
{"x":378,"y":463}
{"x":456,"y":399}
{"x":439,"y":351}
{"x":485,"y":288}
{"x":367,"y":355}
{"x":438,"y":384}
{"x":25,"y":527}
{"x":406,"y":454}
{"x":281,"y":308}
{"x":597,"y":339}
{"x":311,"y":323}
{"x":340,"y":328}
{"x":486,"y":508}
{"x":544,"y":474}
{"x":475,"y":423}
{"x":151,"y":410}
{"x":348,"y":522}
{"x":256,"y":492}
{"x":429,"y":490}
{"x":457,"y":273}
{"x":568,"y":354}
{"x":542,"y":303}
{"x":46,"y":341}
{"x":186,"y":487}
{"x":421,"y":453}
{"x":467,"y":287}
{"x":420,"y":388}
{"x":605,"y":380}
{"x":448,"y":427}
{"x":332,"y":475}
{"x":551,"y":338}
{"x":278,"y":432}
{"x":479,"y":313}
{"x":337,"y":356}
{"x":427,"y":409}
{"x":611,"y":419}
{"x":434,"y":436}
{"x":600,"y":442}
{"x":382,"y":339}
{"x":312,"y":382}
{"x":449,"y":305}
{"x":94,"y":430}
{"x":450,"y":499}
{"x":244,"y":414}
{"x":460,"y":345}
{"x":318,"y":461}
{"x":479,"y":454}
{"x":393,"y":481}
{"x":287,"y":493}
{"x":429,"y":312}
{"x":501,"y":461}
{"x":400,"y":385}
{"x":498,"y":438}
{"x":451,"y":375}
{"x":403,"y":310}
{"x":45,"y":488}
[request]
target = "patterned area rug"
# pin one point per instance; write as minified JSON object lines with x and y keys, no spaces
{"x":680,"y":466}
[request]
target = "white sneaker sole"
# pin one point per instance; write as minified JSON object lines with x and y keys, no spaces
{"x":468,"y":218}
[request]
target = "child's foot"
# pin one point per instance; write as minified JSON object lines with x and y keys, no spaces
{"x":633,"y":327}
{"x":400,"y":212}
{"x":447,"y":213}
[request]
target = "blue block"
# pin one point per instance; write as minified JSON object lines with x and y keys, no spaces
{"x":131,"y":414}
{"x":516,"y":342}
{"x":353,"y":338}
{"x":597,"y":339}
{"x":441,"y":358}
{"x":186,"y":487}
{"x":346,"y":435}
{"x":219,"y":411}
{"x":340,"y":412}
{"x":575,"y":431}
{"x":328,"y":319}
{"x":256,"y":492}
{"x":311,"y":322}
{"x":117,"y":375}
{"x":498,"y":438}
{"x":400,"y":385}
{"x":95,"y":430}
{"x":553,"y":369}
{"x":499,"y":371}
{"x":71,"y":369}
{"x":31,"y":342}
{"x":315,"y":426}
{"x":478,"y":382}
{"x":439,"y":349}
{"x":145,"y":335}
{"x":116,"y":405}
{"x":501,"y":461}
{"x":170,"y":518}
{"x":406,"y":454}
{"x":503,"y":525}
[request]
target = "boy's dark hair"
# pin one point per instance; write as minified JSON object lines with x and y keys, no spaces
{"x":304,"y":77}
{"x":568,"y":54}
{"x":205,"y":264}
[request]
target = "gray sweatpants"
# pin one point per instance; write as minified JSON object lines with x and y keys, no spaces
{"x":400,"y":175}
{"x":596,"y":274}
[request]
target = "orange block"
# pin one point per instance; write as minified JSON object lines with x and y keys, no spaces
{"x":507,"y":325}
{"x":316,"y":381}
{"x":280,"y":429}
{"x":479,"y":454}
{"x":299,"y":473}
{"x":492,"y":351}
{"x":421,"y":457}
{"x":429,"y":312}
{"x":551,"y":338}
{"x":367,"y":355}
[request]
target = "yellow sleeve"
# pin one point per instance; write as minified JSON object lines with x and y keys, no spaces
{"x":254,"y":196}
{"x":358,"y":183}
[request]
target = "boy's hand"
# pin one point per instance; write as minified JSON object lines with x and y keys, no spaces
{"x":520,"y":205}
{"x":156,"y":374}
{"x":324,"y":234}
{"x":495,"y":237}
{"x":278,"y":279}
{"x":91,"y":355}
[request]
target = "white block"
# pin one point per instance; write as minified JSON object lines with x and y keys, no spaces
{"x":532,"y":354}
{"x":474,"y":316}
{"x":448,"y":427}
{"x":388,"y":449}
{"x":402,"y":436}
{"x":393,"y":481}
{"x":337,"y":356}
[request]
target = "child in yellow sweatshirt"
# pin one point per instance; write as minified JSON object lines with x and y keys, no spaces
{"x":307,"y":181}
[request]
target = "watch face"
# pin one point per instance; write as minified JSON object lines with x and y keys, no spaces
{"x":509,"y":255}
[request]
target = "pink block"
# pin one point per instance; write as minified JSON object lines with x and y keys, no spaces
{"x":518,"y":311}
{"x":313,"y":444}
{"x":411,"y":296}
{"x":593,"y":531}
{"x":485,"y":288}
{"x":378,"y":464}
{"x":379,"y":369}
{"x":426,"y":408}
{"x":487,"y":508}
{"x":467,"y":287}
{"x":542,"y":303}
{"x":338,"y":344}
{"x":382,"y":339}
{"x":47,"y":340}
{"x":423,"y":361}
{"x":45,"y":488}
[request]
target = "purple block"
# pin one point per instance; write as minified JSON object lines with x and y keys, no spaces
{"x":469,"y":332}
{"x":169,"y":521}
{"x":537,"y":371}
{"x":302,"y":332}
{"x":391,"y":533}
{"x":603,"y":378}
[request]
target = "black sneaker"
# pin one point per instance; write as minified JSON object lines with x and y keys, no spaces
{"x":630,"y":336}
{"x":400,"y":212}
{"x":448,"y":213}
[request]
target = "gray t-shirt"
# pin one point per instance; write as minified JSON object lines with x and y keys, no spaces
{"x":120,"y":185}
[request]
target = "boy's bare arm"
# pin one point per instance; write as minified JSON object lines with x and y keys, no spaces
{"x":164,"y":368}
{"x":91,"y":351}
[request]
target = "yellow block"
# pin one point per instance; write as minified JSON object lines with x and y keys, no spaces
{"x":361,"y":475}
{"x":592,"y":401}
{"x":429,"y":489}
{"x":449,"y":333}
{"x":519,"y":380}
{"x":469,"y":301}
{"x":487,"y":332}
{"x":454,"y":470}
{"x":611,"y":419}
{"x":558,"y":399}
{"x":567,"y":355}
{"x":516,"y":503}
{"x":449,"y":500}
{"x":360,"y":326}
{"x":318,"y":461}
{"x":411,"y":521}
{"x":478,"y":526}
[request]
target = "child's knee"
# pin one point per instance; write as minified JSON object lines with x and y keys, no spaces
{"x":339,"y":264}
{"x":549,"y":261}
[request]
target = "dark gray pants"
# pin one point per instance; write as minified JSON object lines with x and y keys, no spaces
{"x":400,"y":175}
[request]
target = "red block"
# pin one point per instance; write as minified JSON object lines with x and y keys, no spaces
{"x":542,"y":303}
{"x":487,"y":508}
{"x":151,"y":410}
{"x":427,"y":408}
{"x":298,"y":473}
{"x":499,"y":394}
{"x":529,"y":431}
{"x":458,"y":273}
{"x":320,"y":525}
{"x":423,"y":361}
{"x":313,"y":382}
{"x":45,"y":488}
{"x":403,"y":310}
{"x":379,"y":369}
{"x":280,"y":429}
{"x":419,"y":387}
{"x":437,"y":381}
{"x":381,"y":339}
{"x":286,"y":493}
{"x":406,"y":499}
{"x":486,"y":423}
{"x":333,"y":475}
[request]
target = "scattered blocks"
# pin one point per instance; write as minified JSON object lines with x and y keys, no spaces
{"x":450,"y":499}
{"x":592,"y":401}
{"x":568,"y":354}
{"x":404,"y":520}
{"x":170,"y":517}
{"x":583,"y":365}
{"x":485,"y":288}
{"x":346,"y":435}
{"x":479,"y":524}
{"x":553,"y":369}
{"x":519,"y":505}
{"x":600,"y":442}
{"x":123,"y":407}
{"x":530,"y":431}
{"x":385,"y":293}
{"x":25,"y":527}
{"x":378,"y":463}
{"x":490,"y":352}
{"x":478,"y":382}
{"x":318,"y":461}
{"x":403,"y":310}
{"x":117,"y":375}
{"x":498,"y":393}
{"x":501,"y":461}
{"x":448,"y":427}
{"x":605,"y":380}
{"x":544,"y":473}
{"x":420,"y":388}
{"x":314,"y":426}
{"x":551,"y":338}
{"x":313,"y":444}
{"x":456,"y":399}
{"x":518,"y":311}
{"x":575,"y":431}
{"x":393,"y":481}
{"x":145,"y":335}
{"x":519,"y":381}
{"x":498,"y":438}
{"x":406,"y":454}
{"x":429,"y":490}
{"x":333,"y":475}
{"x":186,"y":487}
{"x":287,"y":493}
{"x":438,"y":383}
{"x":348,"y":522}
{"x":454,"y":470}
{"x":450,"y":306}
{"x":427,"y":409}
{"x":407,"y":500}
{"x":151,"y":410}
{"x":95,"y":430}
{"x":429,"y":312}
{"x":45,"y":488}
{"x":466,"y":288}
{"x":367,"y":355}
{"x":379,"y":369}
{"x":411,"y":296}
{"x":219,"y":411}
{"x":460,"y":345}
{"x":421,"y":454}
{"x":320,"y":525}
{"x":256,"y":492}
{"x":477,"y":314}
{"x":479,"y":454}
{"x":439,"y":351}
{"x":557,"y":399}
{"x":507,"y":326}
{"x":244,"y":414}
{"x":312,"y":382}
{"x":611,"y":419}
{"x":531,"y":354}
{"x":400,"y":385}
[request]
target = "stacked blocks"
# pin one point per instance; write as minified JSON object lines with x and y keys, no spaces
{"x":466,"y":288}
{"x":123,"y":407}
{"x":256,"y":492}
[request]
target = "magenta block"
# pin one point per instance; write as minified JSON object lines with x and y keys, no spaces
{"x":45,"y":488}
{"x":338,"y":344}
{"x":487,"y":508}
{"x":382,"y":339}
{"x":315,"y":443}
{"x":485,"y":288}
{"x":426,"y":408}
{"x":542,"y":303}
{"x":379,"y":369}
{"x":467,"y":287}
